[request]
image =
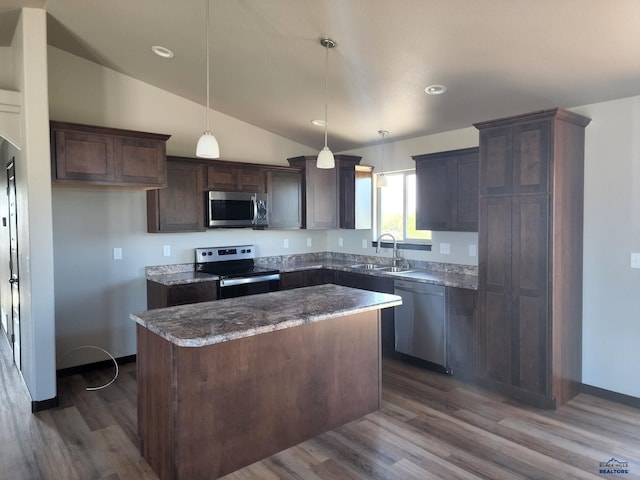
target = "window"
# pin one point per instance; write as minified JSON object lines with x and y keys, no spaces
{"x":396,"y":208}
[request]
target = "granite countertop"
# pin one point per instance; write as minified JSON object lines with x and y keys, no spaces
{"x":181,"y":278}
{"x":453,"y":277}
{"x":207,"y":323}
{"x":421,"y":275}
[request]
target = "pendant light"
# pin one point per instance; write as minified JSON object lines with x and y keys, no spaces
{"x":381,"y":180}
{"x":207,"y":146}
{"x":325,"y":157}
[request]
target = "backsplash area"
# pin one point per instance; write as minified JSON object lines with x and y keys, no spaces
{"x":283,"y":262}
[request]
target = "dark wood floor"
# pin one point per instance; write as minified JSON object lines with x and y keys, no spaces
{"x":430,"y":427}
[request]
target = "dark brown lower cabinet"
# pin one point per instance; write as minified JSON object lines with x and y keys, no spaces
{"x":514,"y":347}
{"x":160,"y":296}
{"x":461,"y":330}
{"x":305,"y":278}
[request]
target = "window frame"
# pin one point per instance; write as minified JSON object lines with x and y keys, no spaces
{"x":406,"y":243}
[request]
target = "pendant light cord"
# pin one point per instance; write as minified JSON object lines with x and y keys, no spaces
{"x":326,"y":92}
{"x":207,"y":51}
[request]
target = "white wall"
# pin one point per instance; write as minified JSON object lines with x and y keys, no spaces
{"x":33,"y":188}
{"x":6,"y":72}
{"x":611,"y":301}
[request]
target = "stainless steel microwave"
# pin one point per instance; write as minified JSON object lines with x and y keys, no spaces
{"x":237,"y":209}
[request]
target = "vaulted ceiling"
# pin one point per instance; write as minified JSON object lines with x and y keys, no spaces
{"x":496,"y":57}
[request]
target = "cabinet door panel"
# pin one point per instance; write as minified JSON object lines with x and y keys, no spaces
{"x":531,"y":156}
{"x":141,"y":161}
{"x":180,"y":206}
{"x":465,"y":203}
{"x":530,"y":290}
{"x":221,"y":177}
{"x":322,"y":198}
{"x":494,"y":287}
{"x":285,"y":199}
{"x":461,"y":328}
{"x":251,"y":179}
{"x":433,"y":195}
{"x":495,"y":161}
{"x":84,"y":156}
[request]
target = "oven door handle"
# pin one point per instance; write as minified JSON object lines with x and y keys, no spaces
{"x":230,"y":282}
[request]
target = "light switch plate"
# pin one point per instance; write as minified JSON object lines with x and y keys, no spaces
{"x":117,"y":253}
{"x":445,"y":248}
{"x":473,"y":250}
{"x":365,"y":244}
{"x":340,"y":242}
{"x":285,"y":244}
{"x":635,"y":260}
{"x":166,"y":250}
{"x":309,"y":241}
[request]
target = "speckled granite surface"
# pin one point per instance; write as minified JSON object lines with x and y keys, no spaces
{"x":182,"y":278}
{"x":447,"y":274}
{"x":208,"y":323}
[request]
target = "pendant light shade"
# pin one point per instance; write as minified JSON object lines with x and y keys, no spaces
{"x":207,"y":146}
{"x":381,"y":180}
{"x":325,"y":157}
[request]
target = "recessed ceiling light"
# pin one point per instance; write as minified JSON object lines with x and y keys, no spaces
{"x":435,"y":89}
{"x":162,"y":51}
{"x":319,"y":123}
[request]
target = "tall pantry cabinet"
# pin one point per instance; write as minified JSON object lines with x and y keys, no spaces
{"x":530,"y":255}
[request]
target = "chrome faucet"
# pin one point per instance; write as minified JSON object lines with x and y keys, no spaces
{"x":395,"y":247}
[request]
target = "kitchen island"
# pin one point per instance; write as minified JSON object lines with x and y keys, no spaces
{"x":226,"y":383}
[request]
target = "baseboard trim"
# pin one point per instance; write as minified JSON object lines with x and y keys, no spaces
{"x":39,"y":405}
{"x":88,"y":367}
{"x":613,"y":396}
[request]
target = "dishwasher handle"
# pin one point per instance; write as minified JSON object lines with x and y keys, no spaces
{"x":437,"y":290}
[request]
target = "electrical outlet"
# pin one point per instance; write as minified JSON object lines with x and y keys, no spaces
{"x":166,"y":250}
{"x":445,"y":248}
{"x":309,"y":241}
{"x":286,"y":243}
{"x":117,"y":253}
{"x":365,"y":244}
{"x":635,"y":260}
{"x":340,"y":242}
{"x":473,"y":250}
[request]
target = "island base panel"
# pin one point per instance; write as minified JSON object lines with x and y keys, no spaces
{"x":236,"y":402}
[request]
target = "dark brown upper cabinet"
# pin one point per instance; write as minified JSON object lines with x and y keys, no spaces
{"x":516,"y":158}
{"x":91,"y":155}
{"x":355,"y":194}
{"x":333,"y":198}
{"x":235,"y":176}
{"x":447,"y":190}
{"x":284,"y":190}
{"x":180,"y":206}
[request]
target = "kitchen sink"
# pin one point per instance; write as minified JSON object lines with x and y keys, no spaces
{"x":396,"y":269}
{"x":368,"y":266}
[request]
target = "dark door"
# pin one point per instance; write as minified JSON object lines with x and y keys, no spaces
{"x":13,"y":265}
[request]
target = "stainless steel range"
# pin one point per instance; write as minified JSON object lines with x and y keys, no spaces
{"x":236,"y":268}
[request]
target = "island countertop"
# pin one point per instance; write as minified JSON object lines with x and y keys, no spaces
{"x":207,"y":323}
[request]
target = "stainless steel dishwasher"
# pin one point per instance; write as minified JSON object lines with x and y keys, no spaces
{"x":420,"y":322}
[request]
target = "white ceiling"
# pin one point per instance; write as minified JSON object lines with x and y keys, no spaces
{"x":497,"y":57}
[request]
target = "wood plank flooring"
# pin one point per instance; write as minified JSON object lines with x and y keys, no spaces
{"x":430,"y":427}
